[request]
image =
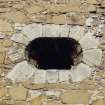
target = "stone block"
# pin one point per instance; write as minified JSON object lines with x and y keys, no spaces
{"x":52,"y":76}
{"x":75,"y":97}
{"x":18,"y":93}
{"x":92,"y":57}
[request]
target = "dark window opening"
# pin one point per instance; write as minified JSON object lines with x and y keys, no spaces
{"x":53,"y":52}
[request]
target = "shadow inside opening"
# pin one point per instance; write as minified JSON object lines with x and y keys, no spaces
{"x":53,"y":52}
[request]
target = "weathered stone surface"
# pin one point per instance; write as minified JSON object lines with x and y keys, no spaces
{"x":15,"y":16}
{"x":20,"y":38}
{"x":92,"y":57}
{"x":18,"y":93}
{"x":75,"y":97}
{"x":101,"y":10}
{"x":51,"y":30}
{"x":54,"y":103}
{"x":75,"y":19}
{"x":53,"y":93}
{"x":21,"y":72}
{"x":81,"y":72}
{"x":16,"y":55}
{"x":86,"y":8}
{"x":2,"y":92}
{"x":76,"y":32}
{"x":60,"y":19}
{"x":2,"y":57}
{"x":33,"y":94}
{"x":92,"y":1}
{"x":2,"y":36}
{"x":38,"y":100}
{"x":52,"y":76}
{"x":103,"y":3}
{"x":7,"y":43}
{"x":99,"y":102}
{"x":18,"y":26}
{"x":2,"y":48}
{"x":64,"y":8}
{"x":32,"y":31}
{"x":34,"y":9}
{"x":21,"y":103}
{"x":89,"y":21}
{"x":64,"y":76}
{"x":40,"y":76}
{"x":5,"y":26}
{"x":64,"y":30}
{"x":89,"y":41}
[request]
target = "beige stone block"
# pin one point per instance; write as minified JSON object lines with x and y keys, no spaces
{"x":93,"y":1}
{"x":91,"y":8}
{"x":99,"y":102}
{"x":76,"y":19}
{"x":21,"y":103}
{"x":39,"y":18}
{"x":75,"y":97}
{"x":15,"y":16}
{"x":2,"y":57}
{"x":60,"y":19}
{"x":64,"y":8}
{"x":101,"y":10}
{"x":2,"y":92}
{"x":88,"y":8}
{"x":2,"y":48}
{"x":35,"y":9}
{"x":5,"y":26}
{"x":18,"y":92}
{"x":54,"y":103}
{"x":103,"y":3}
{"x":38,"y":100}
{"x":7,"y":43}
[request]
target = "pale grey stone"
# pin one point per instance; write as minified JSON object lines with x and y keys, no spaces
{"x":33,"y":94}
{"x":18,"y":26}
{"x":80,"y":72}
{"x":51,"y":30}
{"x":21,"y":72}
{"x":64,"y":76}
{"x":16,"y":54}
{"x":64,"y":30}
{"x":89,"y":41}
{"x":92,"y":57}
{"x":89,"y":21}
{"x":20,"y":38}
{"x":52,"y":76}
{"x":40,"y":76}
{"x":76,"y":32}
{"x":32,"y":31}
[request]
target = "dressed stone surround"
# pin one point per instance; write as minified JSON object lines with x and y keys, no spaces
{"x":22,"y":21}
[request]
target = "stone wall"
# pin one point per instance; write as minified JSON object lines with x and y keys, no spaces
{"x":23,"y":20}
